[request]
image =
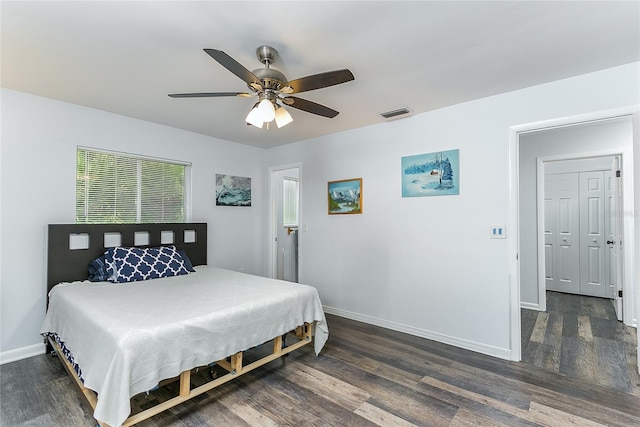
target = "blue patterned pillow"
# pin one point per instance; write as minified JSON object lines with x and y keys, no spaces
{"x":187,"y":261}
{"x":98,"y":271}
{"x":128,"y":264}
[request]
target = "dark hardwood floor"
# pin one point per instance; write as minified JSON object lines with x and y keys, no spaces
{"x":365,"y":376}
{"x":580,"y":337}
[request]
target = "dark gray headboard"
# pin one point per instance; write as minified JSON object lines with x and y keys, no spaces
{"x":65,"y":264}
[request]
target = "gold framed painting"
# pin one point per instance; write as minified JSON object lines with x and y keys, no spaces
{"x":345,"y":196}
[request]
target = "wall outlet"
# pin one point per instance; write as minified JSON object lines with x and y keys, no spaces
{"x":498,"y":232}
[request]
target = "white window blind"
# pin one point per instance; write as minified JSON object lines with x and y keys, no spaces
{"x":120,"y":188}
{"x":291,"y":202}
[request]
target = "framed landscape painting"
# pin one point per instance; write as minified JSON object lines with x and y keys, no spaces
{"x":345,"y":197}
{"x":233,"y":190}
{"x":431,"y":174}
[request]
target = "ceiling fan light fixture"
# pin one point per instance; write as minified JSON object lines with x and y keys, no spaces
{"x":283,"y":117}
{"x":266,"y":110}
{"x":254,"y":117}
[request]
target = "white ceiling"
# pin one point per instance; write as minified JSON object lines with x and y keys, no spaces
{"x":125,"y":57}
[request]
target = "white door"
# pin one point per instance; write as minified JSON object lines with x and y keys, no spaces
{"x":613,"y":218}
{"x":592,"y":234}
{"x":561,"y":225}
{"x":285,"y":245}
{"x":289,"y":233}
{"x":549,"y":233}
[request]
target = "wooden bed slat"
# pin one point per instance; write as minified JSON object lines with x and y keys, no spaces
{"x":185,"y":383}
{"x":277,"y":345}
{"x":236,"y":363}
{"x":225,"y":365}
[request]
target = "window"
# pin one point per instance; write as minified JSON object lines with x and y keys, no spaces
{"x":290,"y":208}
{"x":120,"y":188}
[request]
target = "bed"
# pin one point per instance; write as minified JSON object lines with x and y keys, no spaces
{"x":121,"y":339}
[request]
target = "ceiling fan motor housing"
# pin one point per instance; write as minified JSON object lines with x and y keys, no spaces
{"x":272,"y":79}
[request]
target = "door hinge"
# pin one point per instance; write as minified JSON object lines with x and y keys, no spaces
{"x":618,"y":174}
{"x":620,"y":293}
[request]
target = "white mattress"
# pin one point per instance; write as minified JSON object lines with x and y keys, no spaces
{"x":128,"y":337}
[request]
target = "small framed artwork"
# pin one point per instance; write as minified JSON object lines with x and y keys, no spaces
{"x":233,"y":190}
{"x":431,"y":174}
{"x":345,"y":197}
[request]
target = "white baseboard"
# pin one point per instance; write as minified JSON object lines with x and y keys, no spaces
{"x":21,"y":353}
{"x":530,"y":306}
{"x":502,"y":353}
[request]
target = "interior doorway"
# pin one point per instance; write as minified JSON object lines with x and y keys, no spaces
{"x":586,"y":146}
{"x":582,"y":156}
{"x":285,"y":219}
{"x":524,"y":268}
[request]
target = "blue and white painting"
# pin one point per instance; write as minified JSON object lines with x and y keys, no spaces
{"x":345,"y":197}
{"x":431,"y":174}
{"x":233,"y":190}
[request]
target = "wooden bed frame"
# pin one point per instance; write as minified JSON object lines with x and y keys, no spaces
{"x":65,"y":265}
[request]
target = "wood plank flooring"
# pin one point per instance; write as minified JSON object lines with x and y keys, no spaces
{"x":580,"y":337}
{"x":365,"y":376}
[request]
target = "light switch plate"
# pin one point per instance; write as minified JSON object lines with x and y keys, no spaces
{"x":498,"y":232}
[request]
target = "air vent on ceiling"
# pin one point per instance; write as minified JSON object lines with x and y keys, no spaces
{"x":395,"y":113}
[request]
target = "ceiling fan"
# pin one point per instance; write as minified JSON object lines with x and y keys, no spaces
{"x":273,"y":89}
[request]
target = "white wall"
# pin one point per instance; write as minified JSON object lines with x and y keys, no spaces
{"x":39,"y":140}
{"x":427,"y":265}
{"x":601,"y":136}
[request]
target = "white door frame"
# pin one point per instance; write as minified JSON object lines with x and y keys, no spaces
{"x":513,"y":239}
{"x":272,"y":232}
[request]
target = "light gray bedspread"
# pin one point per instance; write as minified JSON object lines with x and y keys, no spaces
{"x":126,"y":338}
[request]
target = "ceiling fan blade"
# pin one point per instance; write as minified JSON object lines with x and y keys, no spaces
{"x":209,"y":94}
{"x":318,"y":81}
{"x":234,"y":66}
{"x":310,"y":107}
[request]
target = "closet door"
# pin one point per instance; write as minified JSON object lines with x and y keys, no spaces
{"x":610,"y":255}
{"x":613,"y":231}
{"x":561,"y":224}
{"x":592,"y":234}
{"x":550,"y":220}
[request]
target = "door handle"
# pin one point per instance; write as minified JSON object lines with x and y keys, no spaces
{"x":610,"y":242}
